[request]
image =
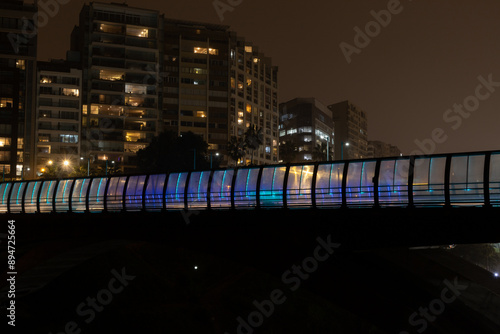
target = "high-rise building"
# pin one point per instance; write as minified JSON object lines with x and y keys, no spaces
{"x":58,"y":123}
{"x":379,"y":149}
{"x":18,"y":43}
{"x":143,"y":74}
{"x":120,"y":52}
{"x":218,"y":85}
{"x":351,"y":131}
{"x":306,"y":131}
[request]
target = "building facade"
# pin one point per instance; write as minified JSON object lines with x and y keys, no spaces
{"x":351,"y":131}
{"x":58,"y":115}
{"x":306,"y":131}
{"x":18,"y":43}
{"x":218,"y":85}
{"x":120,"y":52}
{"x":379,"y":149}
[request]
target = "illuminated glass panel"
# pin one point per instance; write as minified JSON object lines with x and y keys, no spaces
{"x":31,"y":196}
{"x":133,"y":196}
{"x":197,"y":189}
{"x":96,"y":196}
{"x":46,"y":196}
{"x":271,"y":186}
{"x":428,"y":182}
{"x":114,"y":196}
{"x":78,"y":199}
{"x":329,"y":185}
{"x":174,"y":195}
{"x":245,"y":188}
{"x":495,"y":179}
{"x":4,"y":193}
{"x":299,"y":185}
{"x":17,"y":196}
{"x":359,"y":187}
{"x":62,"y":195}
{"x":154,"y":192}
{"x":220,"y":189}
{"x":393,"y":182}
{"x":466,"y":179}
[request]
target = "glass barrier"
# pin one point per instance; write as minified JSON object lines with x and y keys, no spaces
{"x":428,"y":181}
{"x":62,"y":195}
{"x":198,"y":189}
{"x":154,"y":192}
{"x":174,"y":195}
{"x":96,"y":195}
{"x":47,"y":196}
{"x":299,"y":186}
{"x":133,"y":195}
{"x":329,"y":185}
{"x":114,"y":196}
{"x":31,"y":196}
{"x":79,"y":196}
{"x":16,"y":197}
{"x":245,"y":188}
{"x":393,"y":182}
{"x":220,"y":188}
{"x":495,"y":179}
{"x":4,"y":193}
{"x":271,"y":186}
{"x":466,"y":180}
{"x":359,"y":184}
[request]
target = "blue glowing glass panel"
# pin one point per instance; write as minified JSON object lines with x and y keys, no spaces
{"x":428,"y":182}
{"x":96,"y":195}
{"x":197,"y":189}
{"x":133,"y":195}
{"x":359,"y":188}
{"x":271,"y":186}
{"x":174,"y":195}
{"x":62,"y":195}
{"x":220,"y":189}
{"x":245,"y":188}
{"x":495,"y":179}
{"x":393,"y":182}
{"x":4,"y":193}
{"x":466,"y":180}
{"x":30,"y":198}
{"x":78,"y":198}
{"x":17,"y":196}
{"x":46,"y":196}
{"x":114,"y":195}
{"x":154,"y":192}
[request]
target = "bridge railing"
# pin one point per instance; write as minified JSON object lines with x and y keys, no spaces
{"x":441,"y":180}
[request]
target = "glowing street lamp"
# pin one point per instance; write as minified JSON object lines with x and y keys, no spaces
{"x":342,"y":144}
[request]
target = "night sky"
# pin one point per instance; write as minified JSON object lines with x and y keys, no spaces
{"x":427,"y":59}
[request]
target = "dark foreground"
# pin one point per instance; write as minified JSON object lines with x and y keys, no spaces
{"x":268,"y":272}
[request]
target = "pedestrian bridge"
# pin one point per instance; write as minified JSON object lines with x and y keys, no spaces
{"x":441,"y":180}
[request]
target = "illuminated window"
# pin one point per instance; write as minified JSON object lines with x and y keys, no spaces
{"x":137,"y":32}
{"x":249,"y":107}
{"x":133,"y":136}
{"x":248,"y":49}
{"x":6,"y":102}
{"x":201,"y":113}
{"x":211,"y":51}
{"x":111,"y":75}
{"x":135,"y":89}
{"x":70,"y":92}
{"x":256,"y":60}
{"x":4,"y":141}
{"x":240,"y":113}
{"x":240,"y":121}
{"x":20,"y":64}
{"x":249,"y":82}
{"x":94,"y":109}
{"x":134,"y":101}
{"x":111,"y":29}
{"x":84,"y":109}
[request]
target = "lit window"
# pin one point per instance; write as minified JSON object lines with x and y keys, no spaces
{"x":4,"y":141}
{"x":201,"y":113}
{"x":110,"y":29}
{"x":307,"y":157}
{"x":70,"y":92}
{"x":248,"y":49}
{"x":249,"y":107}
{"x":240,"y":113}
{"x":256,"y":60}
{"x":84,"y":109}
{"x":240,"y":121}
{"x":135,"y":89}
{"x":6,"y":102}
{"x":211,"y":51}
{"x":111,"y":75}
{"x":94,"y":109}
{"x":20,"y":64}
{"x":307,"y":139}
{"x":249,"y":82}
{"x":137,"y":32}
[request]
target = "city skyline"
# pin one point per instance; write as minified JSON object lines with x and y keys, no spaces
{"x":408,"y":73}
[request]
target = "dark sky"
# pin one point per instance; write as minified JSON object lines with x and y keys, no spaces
{"x":427,"y":59}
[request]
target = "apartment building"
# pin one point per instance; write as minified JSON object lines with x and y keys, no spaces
{"x":306,"y":131}
{"x":351,"y":131}
{"x":58,"y":114}
{"x":18,"y":51}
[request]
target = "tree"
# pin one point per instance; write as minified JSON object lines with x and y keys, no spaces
{"x":236,"y":148}
{"x":253,"y":139}
{"x":169,"y":152}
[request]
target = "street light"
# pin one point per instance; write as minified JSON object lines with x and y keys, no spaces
{"x":66,"y":163}
{"x":342,"y":144}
